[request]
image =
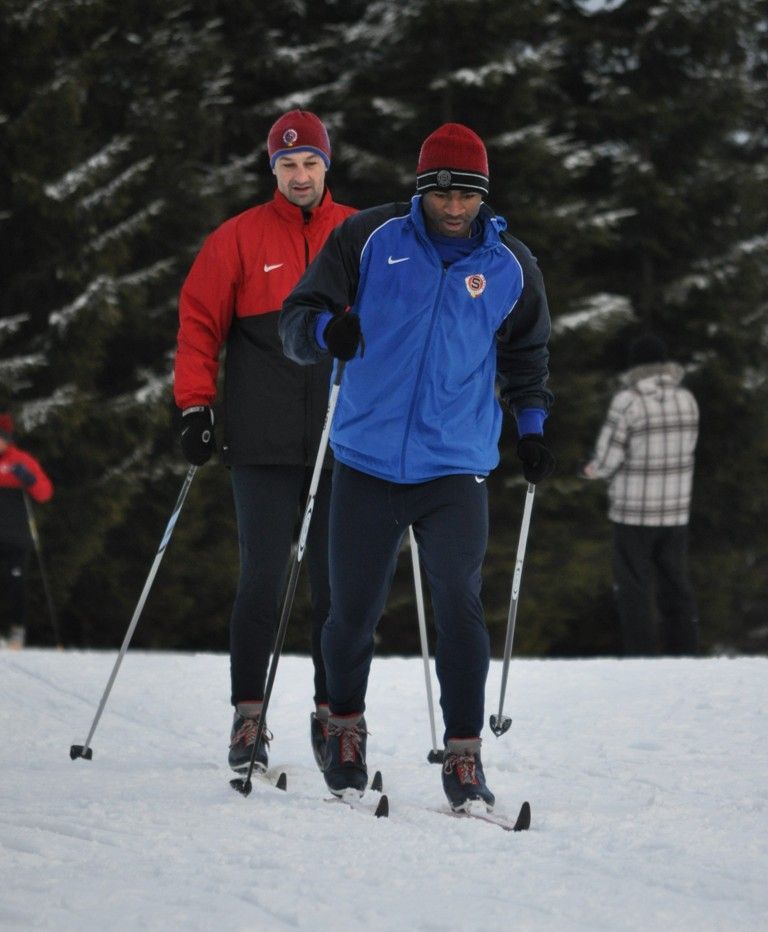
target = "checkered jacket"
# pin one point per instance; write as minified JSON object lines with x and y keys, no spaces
{"x":646,"y":448}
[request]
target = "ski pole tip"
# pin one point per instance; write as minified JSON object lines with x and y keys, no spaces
{"x":435,"y":756}
{"x":79,"y":750}
{"x":243,"y":787}
{"x":500,"y":724}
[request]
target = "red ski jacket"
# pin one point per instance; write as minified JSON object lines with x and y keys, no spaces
{"x":14,"y":523}
{"x":273,"y":408}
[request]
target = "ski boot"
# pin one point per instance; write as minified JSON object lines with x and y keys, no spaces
{"x":318,"y":733}
{"x":344,"y":765}
{"x":245,"y":727}
{"x":463,"y":777}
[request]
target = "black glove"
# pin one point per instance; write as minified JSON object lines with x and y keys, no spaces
{"x":343,"y":335}
{"x":197,"y":440}
{"x":24,"y":475}
{"x":538,"y":462}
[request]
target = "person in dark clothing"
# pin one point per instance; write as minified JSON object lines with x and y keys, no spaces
{"x":20,"y":474}
{"x":273,"y":409}
{"x":645,"y":451}
{"x":443,"y":306}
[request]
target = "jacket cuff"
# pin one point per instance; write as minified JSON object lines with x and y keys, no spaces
{"x":321,"y":322}
{"x":530,"y":421}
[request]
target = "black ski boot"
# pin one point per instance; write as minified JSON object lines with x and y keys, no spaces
{"x":244,"y":729}
{"x":463,"y":777}
{"x":344,"y":766}
{"x":318,"y":733}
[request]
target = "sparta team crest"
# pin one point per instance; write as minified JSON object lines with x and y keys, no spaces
{"x":290,"y":136}
{"x":475,"y":284}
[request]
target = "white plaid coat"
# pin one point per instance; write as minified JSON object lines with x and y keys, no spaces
{"x":646,"y":448}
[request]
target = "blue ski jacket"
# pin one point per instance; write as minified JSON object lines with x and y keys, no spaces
{"x":420,"y":402}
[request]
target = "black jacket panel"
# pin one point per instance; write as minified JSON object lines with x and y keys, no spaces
{"x":274,"y":409}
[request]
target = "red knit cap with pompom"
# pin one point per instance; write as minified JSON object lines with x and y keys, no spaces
{"x":297,"y":131}
{"x":452,"y":157}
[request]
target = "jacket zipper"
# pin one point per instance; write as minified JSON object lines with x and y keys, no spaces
{"x":307,"y":369}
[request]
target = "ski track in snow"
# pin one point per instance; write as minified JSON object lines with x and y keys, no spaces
{"x":647,"y":780}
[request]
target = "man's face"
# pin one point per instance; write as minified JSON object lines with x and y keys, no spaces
{"x":301,"y":178}
{"x":450,"y":213}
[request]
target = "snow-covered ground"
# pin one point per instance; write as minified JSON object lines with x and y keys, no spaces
{"x":648,"y":782}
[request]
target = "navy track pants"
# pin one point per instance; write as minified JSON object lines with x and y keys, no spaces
{"x":368,"y":519}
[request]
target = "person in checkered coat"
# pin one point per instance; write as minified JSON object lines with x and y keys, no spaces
{"x":645,"y":451}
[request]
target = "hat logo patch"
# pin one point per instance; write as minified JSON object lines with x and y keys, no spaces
{"x":290,"y":136}
{"x":443,"y":179}
{"x":475,"y":284}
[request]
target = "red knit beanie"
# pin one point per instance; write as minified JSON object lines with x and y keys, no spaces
{"x":297,"y":131}
{"x":452,"y":157}
{"x":6,"y":427}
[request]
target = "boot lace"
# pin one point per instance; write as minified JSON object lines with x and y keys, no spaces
{"x":465,"y":766}
{"x":247,"y":732}
{"x":349,"y":741}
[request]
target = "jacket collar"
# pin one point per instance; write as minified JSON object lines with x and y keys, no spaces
{"x":293,"y":214}
{"x":493,"y":225}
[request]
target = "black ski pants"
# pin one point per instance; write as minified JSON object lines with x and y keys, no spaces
{"x":13,"y":564}
{"x":369,"y":517}
{"x":650,"y":564}
{"x":269,"y":505}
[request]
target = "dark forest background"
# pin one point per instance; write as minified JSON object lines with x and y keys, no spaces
{"x":627,"y":144}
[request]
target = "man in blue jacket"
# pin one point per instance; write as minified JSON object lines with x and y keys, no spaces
{"x":432,"y":305}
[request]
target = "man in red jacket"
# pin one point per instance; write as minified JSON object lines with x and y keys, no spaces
{"x":20,"y":473}
{"x":273,"y":409}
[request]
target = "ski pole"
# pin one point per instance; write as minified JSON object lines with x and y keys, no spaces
{"x":245,"y":786}
{"x":435,"y":756}
{"x":500,"y":723}
{"x":84,"y":750}
{"x":43,"y":574}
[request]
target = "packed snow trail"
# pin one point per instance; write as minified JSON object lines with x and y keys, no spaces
{"x":646,"y":779}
